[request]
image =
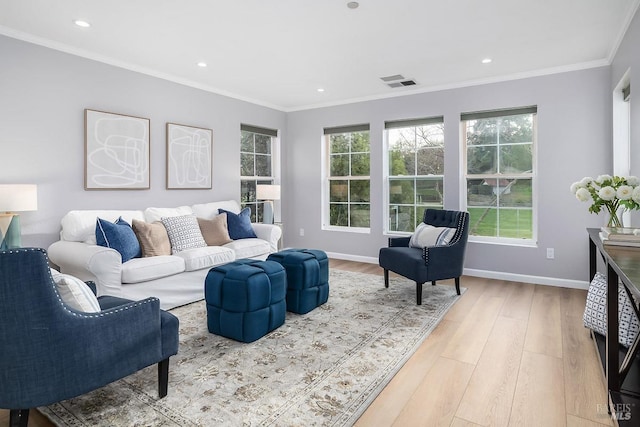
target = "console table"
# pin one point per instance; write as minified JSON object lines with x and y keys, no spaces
{"x":621,"y":365}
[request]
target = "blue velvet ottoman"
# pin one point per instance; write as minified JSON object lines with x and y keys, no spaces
{"x":307,"y":278}
{"x":245,"y":299}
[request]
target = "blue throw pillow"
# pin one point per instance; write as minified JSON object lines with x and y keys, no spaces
{"x":239,"y":225}
{"x":118,"y":236}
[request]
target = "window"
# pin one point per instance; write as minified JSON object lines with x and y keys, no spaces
{"x":347,"y":177}
{"x":415,"y":155}
{"x":500,"y":173}
{"x":256,"y":166}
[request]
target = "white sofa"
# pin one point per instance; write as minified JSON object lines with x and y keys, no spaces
{"x":176,"y":279}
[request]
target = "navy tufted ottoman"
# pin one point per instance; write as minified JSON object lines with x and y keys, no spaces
{"x":245,"y":299}
{"x":307,"y":278}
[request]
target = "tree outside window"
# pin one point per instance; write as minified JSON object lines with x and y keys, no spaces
{"x":256,"y":166}
{"x":500,"y":172}
{"x":348,"y":176}
{"x":415,"y":181}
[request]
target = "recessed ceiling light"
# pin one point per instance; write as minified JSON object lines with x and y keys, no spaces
{"x":353,"y":5}
{"x":486,"y":60}
{"x":320,"y":89}
{"x":81,"y":23}
{"x":202,"y":64}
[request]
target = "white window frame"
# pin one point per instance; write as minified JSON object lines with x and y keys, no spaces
{"x":622,"y":131}
{"x":274,"y":178}
{"x":387,"y":175}
{"x":326,"y":171}
{"x":528,"y":242}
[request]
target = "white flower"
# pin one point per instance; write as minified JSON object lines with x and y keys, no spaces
{"x":607,"y":193}
{"x":602,"y":178}
{"x":624,"y":192}
{"x":586,"y":181}
{"x":575,"y":186}
{"x":633,"y":181}
{"x":635,"y":194}
{"x":583,"y":194}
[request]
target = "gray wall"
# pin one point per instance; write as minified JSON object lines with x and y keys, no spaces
{"x":43,"y":94}
{"x":574,"y":137}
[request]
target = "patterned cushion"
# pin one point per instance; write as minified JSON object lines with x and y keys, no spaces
{"x":595,"y":312}
{"x":118,"y":236}
{"x":427,"y":235}
{"x":184,"y":232}
{"x":239,"y":225}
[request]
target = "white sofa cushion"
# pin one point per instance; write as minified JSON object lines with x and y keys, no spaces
{"x":80,"y":226}
{"x":210,"y":210}
{"x":210,"y":256}
{"x":143,"y":269}
{"x":248,"y":248}
{"x":156,"y":214}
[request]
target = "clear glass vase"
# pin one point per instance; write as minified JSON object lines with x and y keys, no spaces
{"x":615,"y":219}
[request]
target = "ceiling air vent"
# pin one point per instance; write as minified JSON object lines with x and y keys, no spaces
{"x":392,"y":78}
{"x":397,"y":80}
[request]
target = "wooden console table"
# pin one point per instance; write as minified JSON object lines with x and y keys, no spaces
{"x":621,"y":365}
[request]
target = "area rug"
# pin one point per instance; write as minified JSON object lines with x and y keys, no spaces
{"x":323,"y":368}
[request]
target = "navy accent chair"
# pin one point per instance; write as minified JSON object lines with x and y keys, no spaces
{"x":433,"y":263}
{"x":50,"y":352}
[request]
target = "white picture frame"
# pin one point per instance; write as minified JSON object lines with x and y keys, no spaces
{"x":189,"y":157}
{"x":116,"y":151}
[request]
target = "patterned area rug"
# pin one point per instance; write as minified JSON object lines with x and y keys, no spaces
{"x":321,"y":368}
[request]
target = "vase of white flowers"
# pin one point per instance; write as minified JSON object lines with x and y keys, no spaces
{"x":615,"y":194}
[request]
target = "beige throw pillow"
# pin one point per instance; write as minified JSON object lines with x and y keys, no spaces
{"x":153,"y":238}
{"x":215,"y":230}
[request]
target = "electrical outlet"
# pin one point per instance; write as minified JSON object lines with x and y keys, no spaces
{"x":302,"y":231}
{"x":550,"y":253}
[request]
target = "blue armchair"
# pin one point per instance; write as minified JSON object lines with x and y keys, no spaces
{"x":49,"y":352}
{"x":430,"y":263}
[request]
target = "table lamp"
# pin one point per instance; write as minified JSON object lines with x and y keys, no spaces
{"x":268,"y":193}
{"x":15,"y":198}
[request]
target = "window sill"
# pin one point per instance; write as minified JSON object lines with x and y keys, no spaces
{"x":525,"y":243}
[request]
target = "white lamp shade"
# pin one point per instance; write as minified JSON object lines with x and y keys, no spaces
{"x":18,"y":197}
{"x":267,"y":192}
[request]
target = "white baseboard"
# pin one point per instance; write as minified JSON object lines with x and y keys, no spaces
{"x":348,"y":257}
{"x":525,"y":278}
{"x":498,"y":275}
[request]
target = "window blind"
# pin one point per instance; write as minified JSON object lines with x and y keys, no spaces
{"x":392,"y":124}
{"x":256,"y":129}
{"x":347,"y":129}
{"x":499,"y":113}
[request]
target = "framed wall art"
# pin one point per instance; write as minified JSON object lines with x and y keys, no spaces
{"x":116,"y":151}
{"x":189,"y":157}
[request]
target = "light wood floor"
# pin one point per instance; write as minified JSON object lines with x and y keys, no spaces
{"x":507,"y":354}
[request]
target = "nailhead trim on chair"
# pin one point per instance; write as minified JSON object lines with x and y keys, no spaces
{"x":77,"y":314}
